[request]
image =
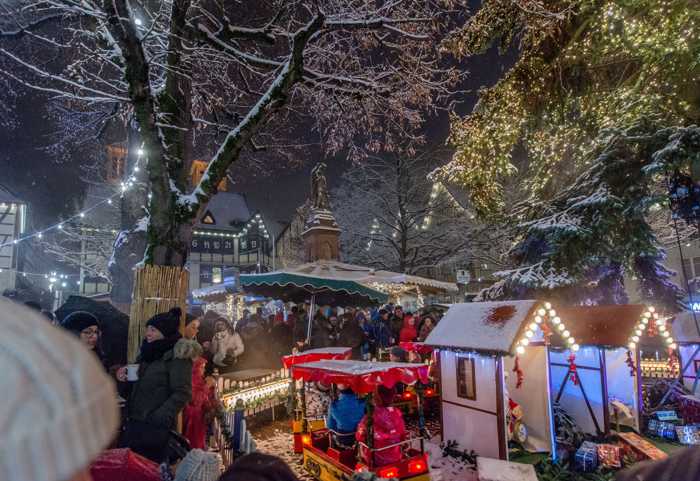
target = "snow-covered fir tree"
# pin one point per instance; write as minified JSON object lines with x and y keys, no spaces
{"x":578,"y":246}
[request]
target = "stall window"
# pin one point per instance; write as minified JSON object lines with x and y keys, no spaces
{"x":466,"y":378}
{"x":216,"y":275}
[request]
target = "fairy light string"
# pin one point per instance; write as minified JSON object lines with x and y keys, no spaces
{"x":633,"y":60}
{"x":645,"y":325}
{"x":124,"y":187}
{"x":546,"y":314}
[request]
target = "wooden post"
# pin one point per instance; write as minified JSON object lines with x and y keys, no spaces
{"x":550,"y":408}
{"x":156,"y":289}
{"x":438,"y":369}
{"x":640,"y":389}
{"x":500,"y":411}
{"x":604,"y":386}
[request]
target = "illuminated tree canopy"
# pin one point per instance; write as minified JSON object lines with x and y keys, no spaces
{"x":583,"y":67}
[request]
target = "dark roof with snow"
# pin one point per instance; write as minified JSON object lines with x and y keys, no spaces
{"x":226,"y":208}
{"x":9,"y":197}
{"x":602,"y":325}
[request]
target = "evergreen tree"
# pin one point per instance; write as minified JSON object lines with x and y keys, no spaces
{"x":583,"y":66}
{"x":578,"y":246}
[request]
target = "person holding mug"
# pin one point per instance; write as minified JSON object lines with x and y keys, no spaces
{"x":163,"y":388}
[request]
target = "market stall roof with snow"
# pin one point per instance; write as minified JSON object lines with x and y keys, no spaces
{"x":608,"y":326}
{"x":485,"y":326}
{"x":359,"y":281}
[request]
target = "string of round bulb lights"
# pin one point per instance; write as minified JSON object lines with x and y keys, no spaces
{"x":125,"y":185}
{"x":546,"y":314}
{"x":660,"y":322}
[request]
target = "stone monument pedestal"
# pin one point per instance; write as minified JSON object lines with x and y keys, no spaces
{"x":321,"y":236}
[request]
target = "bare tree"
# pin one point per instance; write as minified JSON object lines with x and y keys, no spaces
{"x":84,"y":248}
{"x":185,"y":69}
{"x":394,"y":218}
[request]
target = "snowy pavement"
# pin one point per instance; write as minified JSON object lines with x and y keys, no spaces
{"x":447,"y":468}
{"x":276,"y":439}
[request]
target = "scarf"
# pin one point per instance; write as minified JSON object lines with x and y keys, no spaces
{"x":152,"y":351}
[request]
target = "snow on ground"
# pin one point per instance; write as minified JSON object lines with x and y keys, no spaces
{"x":276,"y":439}
{"x":447,"y":468}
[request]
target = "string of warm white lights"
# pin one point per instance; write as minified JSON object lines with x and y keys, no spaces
{"x":49,"y":275}
{"x":660,"y":323}
{"x":256,"y":221}
{"x":59,"y":226}
{"x":547,"y":314}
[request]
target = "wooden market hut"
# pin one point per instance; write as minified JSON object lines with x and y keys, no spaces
{"x":685,"y":331}
{"x":481,"y":347}
{"x":538,"y":355}
{"x":605,"y":372}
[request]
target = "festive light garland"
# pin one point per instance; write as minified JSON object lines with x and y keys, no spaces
{"x":633,"y":60}
{"x":49,"y":276}
{"x":276,"y":389}
{"x":546,"y":314}
{"x":59,"y":226}
{"x":660,"y":323}
{"x":257,"y":220}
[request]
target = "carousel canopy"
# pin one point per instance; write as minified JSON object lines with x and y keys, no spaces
{"x":482,"y":326}
{"x":419,"y":347}
{"x":318,"y":354}
{"x":685,"y":329}
{"x":361,"y":376}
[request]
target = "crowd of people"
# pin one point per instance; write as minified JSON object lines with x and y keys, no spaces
{"x":369,"y":332}
{"x":173,"y":372}
{"x":60,"y":415}
{"x":60,"y":418}
{"x":172,"y":375}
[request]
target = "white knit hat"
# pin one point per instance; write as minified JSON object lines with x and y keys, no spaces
{"x":58,"y":407}
{"x":199,"y":465}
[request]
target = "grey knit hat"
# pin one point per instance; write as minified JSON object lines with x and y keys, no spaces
{"x":59,"y":408}
{"x":199,"y":465}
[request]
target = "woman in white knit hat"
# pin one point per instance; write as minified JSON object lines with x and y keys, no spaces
{"x":199,"y":465}
{"x":59,"y":407}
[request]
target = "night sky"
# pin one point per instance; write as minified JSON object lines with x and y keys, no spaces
{"x":53,"y":186}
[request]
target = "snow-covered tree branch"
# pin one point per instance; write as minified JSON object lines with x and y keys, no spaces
{"x":221,"y":78}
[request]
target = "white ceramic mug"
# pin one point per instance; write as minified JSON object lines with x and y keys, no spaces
{"x":132,"y":372}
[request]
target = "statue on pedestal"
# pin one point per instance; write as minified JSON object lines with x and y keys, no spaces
{"x":319,"y":188}
{"x":321,"y":232}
